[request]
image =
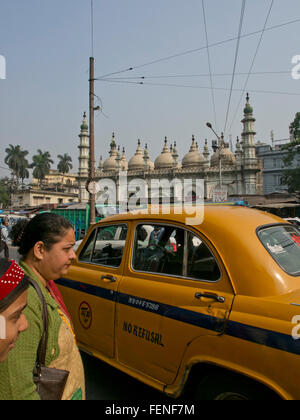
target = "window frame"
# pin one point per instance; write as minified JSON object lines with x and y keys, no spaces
{"x":96,"y":229}
{"x":185,"y":258}
{"x":266,"y":248}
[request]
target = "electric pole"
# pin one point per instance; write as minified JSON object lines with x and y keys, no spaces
{"x":92,"y":184}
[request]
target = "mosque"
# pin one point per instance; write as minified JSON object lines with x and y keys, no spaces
{"x":232,"y":173}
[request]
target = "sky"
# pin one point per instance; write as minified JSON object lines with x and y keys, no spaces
{"x":46,"y":45}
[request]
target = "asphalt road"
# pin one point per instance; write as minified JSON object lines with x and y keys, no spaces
{"x":106,"y":383}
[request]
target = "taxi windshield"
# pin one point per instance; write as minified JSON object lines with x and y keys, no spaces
{"x":283,"y":243}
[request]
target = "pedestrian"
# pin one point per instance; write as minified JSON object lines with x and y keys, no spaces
{"x":4,"y":238}
{"x":13,"y":299}
{"x":46,"y":248}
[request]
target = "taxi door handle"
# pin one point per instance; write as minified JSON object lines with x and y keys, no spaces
{"x":108,"y":278}
{"x":207,"y":295}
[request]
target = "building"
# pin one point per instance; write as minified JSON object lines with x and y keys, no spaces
{"x":224,"y":172}
{"x":56,"y":189}
{"x":34,"y":197}
{"x":273,"y":167}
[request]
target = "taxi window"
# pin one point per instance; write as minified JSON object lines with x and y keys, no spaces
{"x":159,"y":249}
{"x":201,"y":264}
{"x":110,"y":245}
{"x":283,"y":243}
{"x":108,"y":248}
{"x":86,"y":253}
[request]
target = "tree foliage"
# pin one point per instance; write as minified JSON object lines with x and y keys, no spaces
{"x":41,"y":164}
{"x":4,"y":192}
{"x":17,"y":162}
{"x":64,"y":164}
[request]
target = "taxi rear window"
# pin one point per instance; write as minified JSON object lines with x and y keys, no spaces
{"x":283,"y":243}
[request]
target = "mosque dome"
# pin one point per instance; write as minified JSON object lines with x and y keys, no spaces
{"x":194,"y":157}
{"x":136,"y":163}
{"x":248,"y":110}
{"x":165,"y":160}
{"x":110,"y":163}
{"x":84,"y":126}
{"x":227,"y":157}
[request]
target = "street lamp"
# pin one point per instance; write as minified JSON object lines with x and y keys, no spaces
{"x":219,"y":147}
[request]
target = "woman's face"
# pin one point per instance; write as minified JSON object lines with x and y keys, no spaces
{"x":12,"y":323}
{"x":55,"y":263}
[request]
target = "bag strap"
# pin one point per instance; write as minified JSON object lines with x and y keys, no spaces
{"x":41,"y":354}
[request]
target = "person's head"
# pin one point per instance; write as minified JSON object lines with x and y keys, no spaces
{"x":5,"y":221}
{"x":13,"y":299}
{"x":46,"y":243}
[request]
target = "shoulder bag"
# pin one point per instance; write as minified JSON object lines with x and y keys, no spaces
{"x":50,"y":382}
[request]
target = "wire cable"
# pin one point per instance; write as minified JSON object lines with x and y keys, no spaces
{"x":199,"y":49}
{"x":252,"y":64}
{"x":173,"y":76}
{"x":235,"y":61}
{"x":209,"y":66}
{"x":195,"y":87}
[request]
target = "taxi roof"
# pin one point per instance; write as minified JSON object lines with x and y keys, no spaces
{"x":232,"y":230}
{"x":213,"y":215}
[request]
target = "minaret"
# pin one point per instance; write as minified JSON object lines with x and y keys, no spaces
{"x":249,"y":153}
{"x":84,"y":150}
{"x":206,"y":155}
{"x":248,"y":136}
{"x":176,"y":157}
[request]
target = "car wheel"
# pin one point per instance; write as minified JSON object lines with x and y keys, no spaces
{"x":230,"y":387}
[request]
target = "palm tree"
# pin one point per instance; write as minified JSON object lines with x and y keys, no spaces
{"x":41,"y":164}
{"x":16,"y":161}
{"x":64,"y":164}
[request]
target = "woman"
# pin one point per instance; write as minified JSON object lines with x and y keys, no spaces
{"x":46,"y":246}
{"x":13,"y":300}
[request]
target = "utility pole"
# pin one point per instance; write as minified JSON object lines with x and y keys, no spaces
{"x":92,"y":184}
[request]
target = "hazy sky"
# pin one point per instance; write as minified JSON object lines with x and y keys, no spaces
{"x":47,"y":45}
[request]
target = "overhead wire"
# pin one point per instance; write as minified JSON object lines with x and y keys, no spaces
{"x":209,"y":66}
{"x":194,"y":87}
{"x":252,"y":63}
{"x":235,"y":61}
{"x":219,"y":43}
{"x":259,"y":73}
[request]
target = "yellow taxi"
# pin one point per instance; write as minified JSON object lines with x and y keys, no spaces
{"x":210,"y":311}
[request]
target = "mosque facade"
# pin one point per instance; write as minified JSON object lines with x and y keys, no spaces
{"x":225,"y":171}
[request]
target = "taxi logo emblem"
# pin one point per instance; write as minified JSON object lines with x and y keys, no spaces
{"x":85,"y":315}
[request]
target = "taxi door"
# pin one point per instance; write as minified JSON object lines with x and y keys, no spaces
{"x":90,"y":289}
{"x":174,"y":290}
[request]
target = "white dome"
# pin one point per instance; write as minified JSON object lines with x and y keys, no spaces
{"x":111,"y":163}
{"x":227,"y":158}
{"x":137,"y":163}
{"x":194,"y":157}
{"x":165,"y":160}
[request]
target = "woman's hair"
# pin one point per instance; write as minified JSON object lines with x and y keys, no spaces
{"x":48,"y":228}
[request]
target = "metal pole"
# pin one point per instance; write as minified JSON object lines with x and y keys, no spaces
{"x":92,"y":141}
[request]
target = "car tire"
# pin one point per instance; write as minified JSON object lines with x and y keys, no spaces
{"x":226,"y":386}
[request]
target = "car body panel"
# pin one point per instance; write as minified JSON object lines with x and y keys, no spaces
{"x":156,"y":327}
